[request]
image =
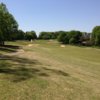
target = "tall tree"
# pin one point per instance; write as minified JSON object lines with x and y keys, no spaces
{"x":8,"y":24}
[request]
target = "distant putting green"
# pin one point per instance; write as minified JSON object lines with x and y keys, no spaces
{"x":47,"y":70}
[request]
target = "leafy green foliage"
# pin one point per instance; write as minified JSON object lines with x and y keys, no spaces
{"x":74,"y":37}
{"x":30,"y":35}
{"x":18,"y":35}
{"x":96,"y":35}
{"x":8,"y":24}
{"x":46,"y":35}
{"x":63,"y":37}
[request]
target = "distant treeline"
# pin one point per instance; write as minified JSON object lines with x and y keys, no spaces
{"x":9,"y":32}
{"x":71,"y":37}
{"x":21,"y":35}
{"x":74,"y":37}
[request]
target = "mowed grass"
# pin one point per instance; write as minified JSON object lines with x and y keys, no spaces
{"x":43,"y":70}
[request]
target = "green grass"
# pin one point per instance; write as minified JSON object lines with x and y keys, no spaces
{"x":46,"y":71}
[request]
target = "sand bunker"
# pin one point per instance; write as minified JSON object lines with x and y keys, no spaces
{"x":30,"y":45}
{"x":63,"y":46}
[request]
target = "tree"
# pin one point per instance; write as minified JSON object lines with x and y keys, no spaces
{"x":72,"y":41}
{"x":30,"y":35}
{"x":72,"y":37}
{"x":66,"y":38}
{"x":63,"y":37}
{"x":53,"y":35}
{"x":8,"y":24}
{"x":18,"y":35}
{"x":1,"y":38}
{"x":75,"y":37}
{"x":57,"y":33}
{"x":45,"y":35}
{"x":96,"y":35}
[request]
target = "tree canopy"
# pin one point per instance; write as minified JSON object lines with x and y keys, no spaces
{"x":8,"y":24}
{"x":96,"y":35}
{"x":72,"y":37}
{"x":30,"y":35}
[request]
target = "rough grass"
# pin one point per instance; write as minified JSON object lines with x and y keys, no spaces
{"x":46,"y":71}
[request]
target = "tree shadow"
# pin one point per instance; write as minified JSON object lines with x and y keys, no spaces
{"x":88,"y":46}
{"x":19,"y":69}
{"x":9,"y":48}
{"x":58,"y":72}
{"x":21,"y":61}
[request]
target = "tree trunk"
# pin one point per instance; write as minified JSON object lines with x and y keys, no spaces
{"x":2,"y":43}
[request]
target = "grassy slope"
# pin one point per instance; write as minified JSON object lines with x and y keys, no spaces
{"x":45,"y":71}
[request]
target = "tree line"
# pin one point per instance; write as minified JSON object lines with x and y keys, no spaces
{"x":74,"y":37}
{"x":9,"y":32}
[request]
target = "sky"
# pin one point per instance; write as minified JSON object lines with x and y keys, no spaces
{"x":55,"y":15}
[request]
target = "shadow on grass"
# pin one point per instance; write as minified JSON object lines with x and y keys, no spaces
{"x":87,"y":46}
{"x":9,"y":48}
{"x":58,"y":72}
{"x":19,"y":69}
